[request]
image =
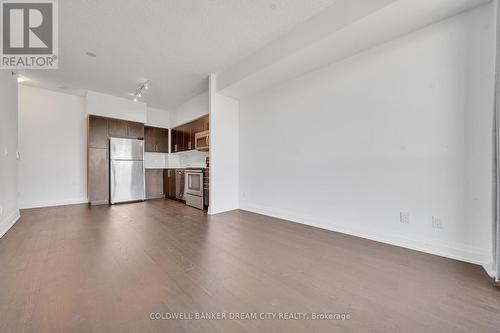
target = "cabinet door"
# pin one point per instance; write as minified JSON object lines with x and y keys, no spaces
{"x":149,"y":139}
{"x":185,"y":137}
{"x":191,"y":129}
{"x":173,"y":140}
{"x":154,"y":183}
{"x":98,"y":176}
{"x":165,"y":183}
{"x":162,"y":140}
{"x":98,"y":132}
{"x":171,"y":183}
{"x":135,"y":130}
{"x":180,"y":138}
{"x":117,"y":128}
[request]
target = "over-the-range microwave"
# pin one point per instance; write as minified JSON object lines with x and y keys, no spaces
{"x":201,"y":141}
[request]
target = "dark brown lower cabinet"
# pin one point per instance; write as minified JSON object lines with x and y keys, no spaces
{"x":169,"y":183}
{"x":98,"y":176}
{"x":154,"y":184}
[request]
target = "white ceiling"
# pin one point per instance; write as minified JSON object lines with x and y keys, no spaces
{"x":346,"y":28}
{"x":173,"y":43}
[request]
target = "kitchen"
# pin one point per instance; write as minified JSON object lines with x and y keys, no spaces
{"x":129,"y":161}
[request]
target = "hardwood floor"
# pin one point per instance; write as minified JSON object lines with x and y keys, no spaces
{"x":106,"y":269}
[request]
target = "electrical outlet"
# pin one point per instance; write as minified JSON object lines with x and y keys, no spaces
{"x":1,"y":210}
{"x":437,"y":223}
{"x":404,"y":217}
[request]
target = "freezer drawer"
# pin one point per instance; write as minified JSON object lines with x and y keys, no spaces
{"x":194,"y":201}
{"x":126,"y":149}
{"x":127,"y":181}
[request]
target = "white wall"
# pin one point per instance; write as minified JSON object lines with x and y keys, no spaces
{"x":224,"y":152}
{"x":9,"y":212}
{"x":403,"y":127}
{"x":115,"y":107}
{"x":193,"y":109}
{"x":158,"y":118}
{"x":52,"y":144}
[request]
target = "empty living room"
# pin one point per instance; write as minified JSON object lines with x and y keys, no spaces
{"x":250,"y":166}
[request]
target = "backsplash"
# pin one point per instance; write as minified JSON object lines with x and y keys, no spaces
{"x":155,"y":160}
{"x":185,"y":159}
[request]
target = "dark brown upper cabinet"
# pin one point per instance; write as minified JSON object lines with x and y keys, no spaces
{"x":98,"y":132}
{"x":162,"y":140}
{"x":190,"y":130}
{"x":135,"y":130}
{"x":156,"y":139}
{"x":179,"y":139}
{"x":173,"y":140}
{"x":117,"y":128}
{"x":183,"y":137}
{"x":149,"y":139}
{"x":125,"y":129}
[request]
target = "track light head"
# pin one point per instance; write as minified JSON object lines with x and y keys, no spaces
{"x":139,"y":90}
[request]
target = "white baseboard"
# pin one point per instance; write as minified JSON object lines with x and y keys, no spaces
{"x":8,"y":222}
{"x":489,"y":269}
{"x":455,"y":251}
{"x":219,"y":211}
{"x":52,"y":203}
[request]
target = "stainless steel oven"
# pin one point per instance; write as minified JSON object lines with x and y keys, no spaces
{"x":193,"y":190}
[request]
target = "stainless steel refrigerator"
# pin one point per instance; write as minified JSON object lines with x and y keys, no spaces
{"x":126,"y":170}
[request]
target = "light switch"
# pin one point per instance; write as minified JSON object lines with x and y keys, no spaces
{"x":5,"y":152}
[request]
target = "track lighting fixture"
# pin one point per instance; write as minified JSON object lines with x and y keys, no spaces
{"x":138,"y":91}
